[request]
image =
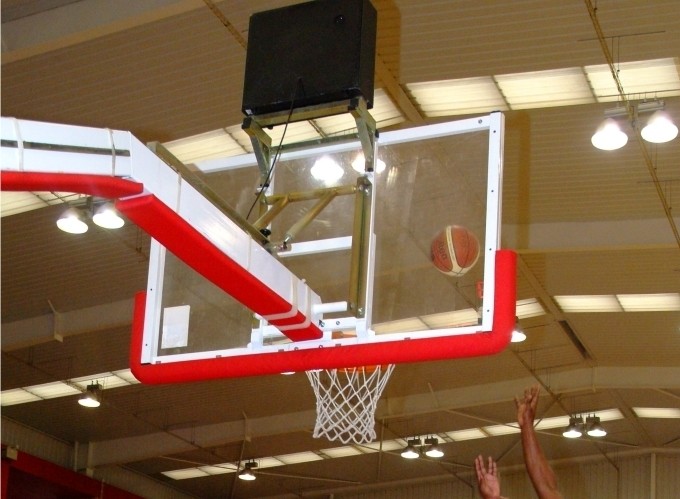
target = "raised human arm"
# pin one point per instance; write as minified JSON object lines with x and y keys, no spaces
{"x":541,"y":474}
{"x":487,"y":479}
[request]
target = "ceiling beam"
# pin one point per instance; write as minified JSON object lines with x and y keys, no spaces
{"x":80,"y":22}
{"x":118,"y":451}
{"x":396,"y":92}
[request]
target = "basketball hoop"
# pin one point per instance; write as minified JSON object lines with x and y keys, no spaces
{"x":346,"y":400}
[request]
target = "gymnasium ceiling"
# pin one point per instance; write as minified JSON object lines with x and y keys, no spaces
{"x":583,"y":222}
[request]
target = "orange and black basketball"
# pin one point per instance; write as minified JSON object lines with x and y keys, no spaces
{"x":455,"y":250}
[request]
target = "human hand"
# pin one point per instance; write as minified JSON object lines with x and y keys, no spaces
{"x":526,"y":407}
{"x":487,"y":479}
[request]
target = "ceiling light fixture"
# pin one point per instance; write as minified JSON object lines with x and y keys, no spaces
{"x":411,"y":449}
{"x":107,"y":217}
{"x":518,"y":334}
{"x":247,"y":472}
{"x":594,"y":428}
{"x":609,"y":136}
{"x":574,"y":428}
{"x":72,"y":221}
{"x":433,"y":449}
{"x":359,"y":164}
{"x":326,"y":170}
{"x":659,"y":128}
{"x":92,"y":396}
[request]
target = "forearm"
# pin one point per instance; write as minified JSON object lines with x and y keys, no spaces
{"x":540,"y":472}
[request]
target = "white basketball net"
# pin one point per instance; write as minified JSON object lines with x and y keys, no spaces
{"x":346,"y":400}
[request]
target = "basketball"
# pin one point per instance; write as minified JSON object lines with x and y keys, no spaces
{"x":455,"y":250}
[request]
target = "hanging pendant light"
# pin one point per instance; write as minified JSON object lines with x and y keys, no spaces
{"x":411,"y":451}
{"x":433,"y":449}
{"x":72,"y":221}
{"x":247,"y":472}
{"x":574,"y":428}
{"x":609,"y":136}
{"x":107,"y":217}
{"x":92,"y":396}
{"x":594,"y":428}
{"x":659,"y":129}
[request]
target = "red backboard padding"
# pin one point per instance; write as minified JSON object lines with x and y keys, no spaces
{"x":96,"y":185}
{"x":394,"y":352}
{"x":184,"y":241}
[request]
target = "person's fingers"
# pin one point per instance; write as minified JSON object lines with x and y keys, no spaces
{"x":492,"y":466}
{"x":479,"y":467}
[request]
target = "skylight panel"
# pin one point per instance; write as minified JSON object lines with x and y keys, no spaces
{"x":218,"y":469}
{"x":53,"y":390}
{"x":127,"y":375}
{"x":213,"y":144}
{"x":589,"y":303}
{"x":385,"y":445}
{"x":470,"y":434}
{"x":384,"y":112}
{"x":106,"y":380}
{"x":657,"y":412}
{"x":268,"y":462}
{"x":451,"y":319}
{"x":558,"y":87}
{"x":554,"y":422}
{"x":345,"y":451}
{"x":300,"y":131}
{"x":661,"y":302}
{"x":400,"y":326}
{"x":299,"y":457}
{"x":455,"y":97}
{"x":185,"y":473}
{"x":528,"y":308}
{"x":17,"y":396}
{"x":502,"y":429}
{"x":653,"y":78}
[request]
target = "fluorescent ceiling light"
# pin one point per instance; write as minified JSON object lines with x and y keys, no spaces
{"x":300,"y":131}
{"x":470,"y":434}
{"x":385,"y":445}
{"x":126,"y":375}
{"x":345,"y":451}
{"x":185,"y":473}
{"x":268,"y":462}
{"x":299,"y":457}
{"x":53,"y":390}
{"x":554,"y":422}
{"x":106,"y":380}
{"x":218,"y":469}
{"x":454,"y":97}
{"x":14,"y":203}
{"x":657,"y":412}
{"x":559,"y":87}
{"x":660,"y":302}
{"x":589,"y":303}
{"x":609,"y":414}
{"x":17,"y":396}
{"x":501,"y":429}
{"x":213,"y":144}
{"x":401,"y":326}
{"x":465,"y":317}
{"x":384,"y":112}
{"x":658,"y":77}
{"x":528,"y":308}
